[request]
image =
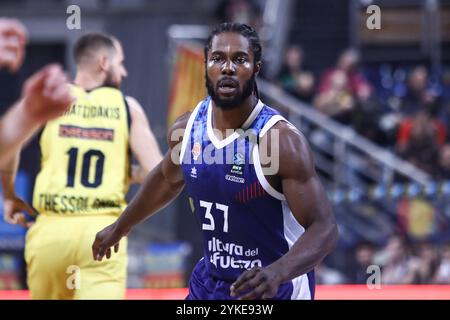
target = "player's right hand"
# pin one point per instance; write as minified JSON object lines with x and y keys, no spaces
{"x":13,"y":38}
{"x":104,"y":240}
{"x":46,"y":94}
{"x":13,"y":211}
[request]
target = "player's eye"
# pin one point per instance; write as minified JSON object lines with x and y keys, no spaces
{"x":241,"y":59}
{"x":215,"y":58}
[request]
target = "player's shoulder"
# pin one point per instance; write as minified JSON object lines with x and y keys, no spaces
{"x":101,"y":92}
{"x":132,"y":101}
{"x":181,"y":121}
{"x":179,"y":124}
{"x":134,"y":106}
{"x":292,"y":147}
{"x":285,"y":131}
{"x":291,"y":138}
{"x":108,"y":93}
{"x":176,"y":130}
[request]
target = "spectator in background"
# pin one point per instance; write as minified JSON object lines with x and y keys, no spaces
{"x":367,"y":120}
{"x":444,"y":112}
{"x":336,"y":101}
{"x":356,"y":83}
{"x":446,"y":83}
{"x":293,"y":77}
{"x":328,"y":276}
{"x":242,"y":11}
{"x":364,"y":257}
{"x":398,"y":265}
{"x":419,"y":139}
{"x":427,"y":263}
{"x":342,"y":87}
{"x":417,"y":96}
{"x":444,"y":162}
{"x":442,"y":275}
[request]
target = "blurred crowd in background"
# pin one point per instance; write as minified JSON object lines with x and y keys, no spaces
{"x":399,"y":261}
{"x":404,"y":109}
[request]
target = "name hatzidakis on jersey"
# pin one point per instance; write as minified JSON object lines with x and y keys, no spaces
{"x":83,"y":111}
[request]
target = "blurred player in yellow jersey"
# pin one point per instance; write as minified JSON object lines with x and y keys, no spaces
{"x":84,"y":177}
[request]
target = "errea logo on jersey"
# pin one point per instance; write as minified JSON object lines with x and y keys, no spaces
{"x":194,"y":172}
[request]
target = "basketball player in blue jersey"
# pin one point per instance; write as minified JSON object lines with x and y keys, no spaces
{"x":265,"y":226}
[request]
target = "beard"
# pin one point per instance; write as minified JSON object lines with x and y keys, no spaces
{"x":232,"y":102}
{"x":110,"y":81}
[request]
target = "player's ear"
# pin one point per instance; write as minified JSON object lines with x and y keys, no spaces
{"x":257,"y":67}
{"x":103,"y":62}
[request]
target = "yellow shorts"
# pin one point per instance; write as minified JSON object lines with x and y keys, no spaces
{"x":60,"y":264}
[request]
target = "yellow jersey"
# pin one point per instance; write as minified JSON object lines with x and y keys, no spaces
{"x":85,"y":162}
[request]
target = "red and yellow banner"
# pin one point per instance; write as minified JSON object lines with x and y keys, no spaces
{"x":187,"y":87}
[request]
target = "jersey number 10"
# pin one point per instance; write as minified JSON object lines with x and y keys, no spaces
{"x":86,"y":166}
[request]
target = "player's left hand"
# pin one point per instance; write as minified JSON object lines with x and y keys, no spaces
{"x":263,"y":283}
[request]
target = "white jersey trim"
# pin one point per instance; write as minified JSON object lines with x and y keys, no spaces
{"x":187,"y":131}
{"x":262,"y":179}
{"x":257,"y":161}
{"x":219,"y":144}
{"x":269,"y":124}
{"x":292,"y":231}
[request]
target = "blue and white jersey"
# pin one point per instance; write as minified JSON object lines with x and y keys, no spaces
{"x":245,"y":222}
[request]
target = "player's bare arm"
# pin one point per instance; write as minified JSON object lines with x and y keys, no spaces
{"x":308,"y":202}
{"x":13,"y":205}
{"x":45,"y":96}
{"x":162,"y":185}
{"x":142,"y":141}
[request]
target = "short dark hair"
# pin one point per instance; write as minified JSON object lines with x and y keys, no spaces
{"x":248,"y":32}
{"x":91,"y":42}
